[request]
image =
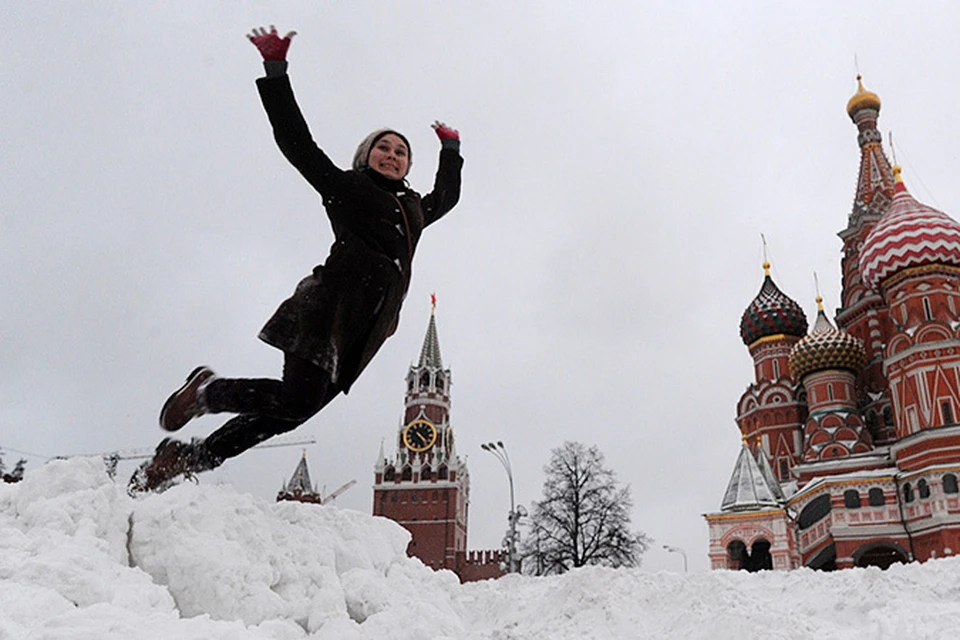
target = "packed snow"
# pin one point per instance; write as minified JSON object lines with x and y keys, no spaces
{"x":80,"y":559}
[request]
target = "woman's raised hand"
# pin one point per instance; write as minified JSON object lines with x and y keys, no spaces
{"x":444,"y":132}
{"x":270,"y":44}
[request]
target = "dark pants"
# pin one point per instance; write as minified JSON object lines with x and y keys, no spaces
{"x":266,"y":407}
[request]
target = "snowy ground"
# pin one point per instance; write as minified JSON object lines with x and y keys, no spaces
{"x":79,"y":560}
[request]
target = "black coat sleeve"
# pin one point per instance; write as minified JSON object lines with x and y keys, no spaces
{"x":293,"y":137}
{"x":446,"y":187}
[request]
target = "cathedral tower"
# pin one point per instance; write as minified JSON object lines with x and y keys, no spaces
{"x":770,"y":413}
{"x":863,"y":313}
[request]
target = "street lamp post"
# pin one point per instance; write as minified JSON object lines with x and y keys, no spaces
{"x":498,"y":450}
{"x":680,"y":551}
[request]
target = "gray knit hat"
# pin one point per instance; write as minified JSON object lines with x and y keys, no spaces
{"x":361,"y":159}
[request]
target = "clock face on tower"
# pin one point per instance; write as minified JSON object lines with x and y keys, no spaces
{"x":419,"y":435}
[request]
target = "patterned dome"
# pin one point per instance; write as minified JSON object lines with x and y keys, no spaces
{"x":826,"y":348}
{"x":909,"y":234}
{"x":772,"y":312}
{"x":862,"y":99}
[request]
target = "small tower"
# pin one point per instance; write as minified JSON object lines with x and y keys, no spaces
{"x":827,"y":362}
{"x":752,"y":530}
{"x":425,"y":486}
{"x":770,"y":412}
{"x":300,"y":488}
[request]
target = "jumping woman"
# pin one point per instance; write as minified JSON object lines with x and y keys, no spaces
{"x":340,"y":314}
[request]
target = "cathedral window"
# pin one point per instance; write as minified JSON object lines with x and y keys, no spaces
{"x":876,"y":497}
{"x":814,"y":512}
{"x":950,"y":483}
{"x":951,"y":306}
{"x":830,"y":392}
{"x":946,"y":408}
{"x":776,"y":370}
{"x":903,"y":313}
{"x":926,"y":309}
{"x":923,"y":489}
{"x":908,"y":493}
{"x":851,"y":499}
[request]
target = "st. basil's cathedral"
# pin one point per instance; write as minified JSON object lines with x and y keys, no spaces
{"x":851,"y":439}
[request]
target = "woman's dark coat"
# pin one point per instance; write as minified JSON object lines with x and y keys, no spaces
{"x":341,"y":314}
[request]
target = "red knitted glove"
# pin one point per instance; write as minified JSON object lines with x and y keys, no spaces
{"x":271,"y":45}
{"x":444,"y":132}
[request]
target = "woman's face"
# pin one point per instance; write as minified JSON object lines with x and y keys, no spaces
{"x":390,"y":157}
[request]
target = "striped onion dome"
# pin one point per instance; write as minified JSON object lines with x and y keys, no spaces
{"x":771,"y":313}
{"x":862,"y":99}
{"x":910,"y":234}
{"x":826,"y":348}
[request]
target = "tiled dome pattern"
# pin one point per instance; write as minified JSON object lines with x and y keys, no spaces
{"x":772,"y":312}
{"x":826,"y":348}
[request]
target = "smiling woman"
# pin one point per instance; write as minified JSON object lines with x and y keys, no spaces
{"x":340,"y":314}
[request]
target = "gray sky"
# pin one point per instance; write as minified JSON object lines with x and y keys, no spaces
{"x":622,"y":160}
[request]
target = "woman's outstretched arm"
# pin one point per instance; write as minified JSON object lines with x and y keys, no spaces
{"x":290,"y":129}
{"x":446,"y":185}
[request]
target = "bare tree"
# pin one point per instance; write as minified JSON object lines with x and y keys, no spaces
{"x":584,"y":517}
{"x":14,"y":476}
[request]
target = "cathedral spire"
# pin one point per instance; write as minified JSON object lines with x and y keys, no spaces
{"x":875,"y":183}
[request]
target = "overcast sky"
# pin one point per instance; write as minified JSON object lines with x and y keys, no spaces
{"x":622,"y":160}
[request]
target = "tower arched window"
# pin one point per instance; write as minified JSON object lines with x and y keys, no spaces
{"x":424,"y":380}
{"x":851,"y":499}
{"x":426,"y":474}
{"x":876,"y":498}
{"x":390,"y":474}
{"x":442,"y":472}
{"x":946,"y":408}
{"x":923,"y":489}
{"x":950,"y":483}
{"x":908,"y":493}
{"x":407,"y":474}
{"x":439,"y":381}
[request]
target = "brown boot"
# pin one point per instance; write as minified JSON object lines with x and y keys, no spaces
{"x":185,"y":403}
{"x":171,"y":459}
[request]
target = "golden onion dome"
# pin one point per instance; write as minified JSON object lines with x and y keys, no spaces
{"x":862,"y":99}
{"x":826,"y":347}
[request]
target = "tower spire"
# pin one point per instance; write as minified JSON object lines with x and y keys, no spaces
{"x":430,"y":352}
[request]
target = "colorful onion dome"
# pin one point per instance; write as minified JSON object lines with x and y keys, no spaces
{"x":862,"y":99}
{"x":771,"y":313}
{"x":826,"y":348}
{"x":910,"y":234}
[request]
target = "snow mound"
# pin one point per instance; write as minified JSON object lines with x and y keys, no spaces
{"x":80,"y":559}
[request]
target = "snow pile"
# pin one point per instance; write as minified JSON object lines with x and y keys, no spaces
{"x":80,"y":559}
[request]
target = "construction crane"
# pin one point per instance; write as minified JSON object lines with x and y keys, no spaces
{"x":333,"y":496}
{"x":111,"y":458}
